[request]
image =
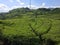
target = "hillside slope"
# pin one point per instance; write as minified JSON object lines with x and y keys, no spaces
{"x":20,"y":27}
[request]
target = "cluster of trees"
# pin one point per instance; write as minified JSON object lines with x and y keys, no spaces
{"x":20,"y":12}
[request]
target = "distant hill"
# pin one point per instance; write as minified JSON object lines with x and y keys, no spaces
{"x":21,"y":12}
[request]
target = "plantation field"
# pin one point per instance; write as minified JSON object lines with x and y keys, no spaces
{"x":20,"y":27}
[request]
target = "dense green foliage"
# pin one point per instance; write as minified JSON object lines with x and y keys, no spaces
{"x":26,"y":12}
{"x":14,"y":26}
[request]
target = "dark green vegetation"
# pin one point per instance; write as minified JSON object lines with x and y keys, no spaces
{"x":24,"y":26}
